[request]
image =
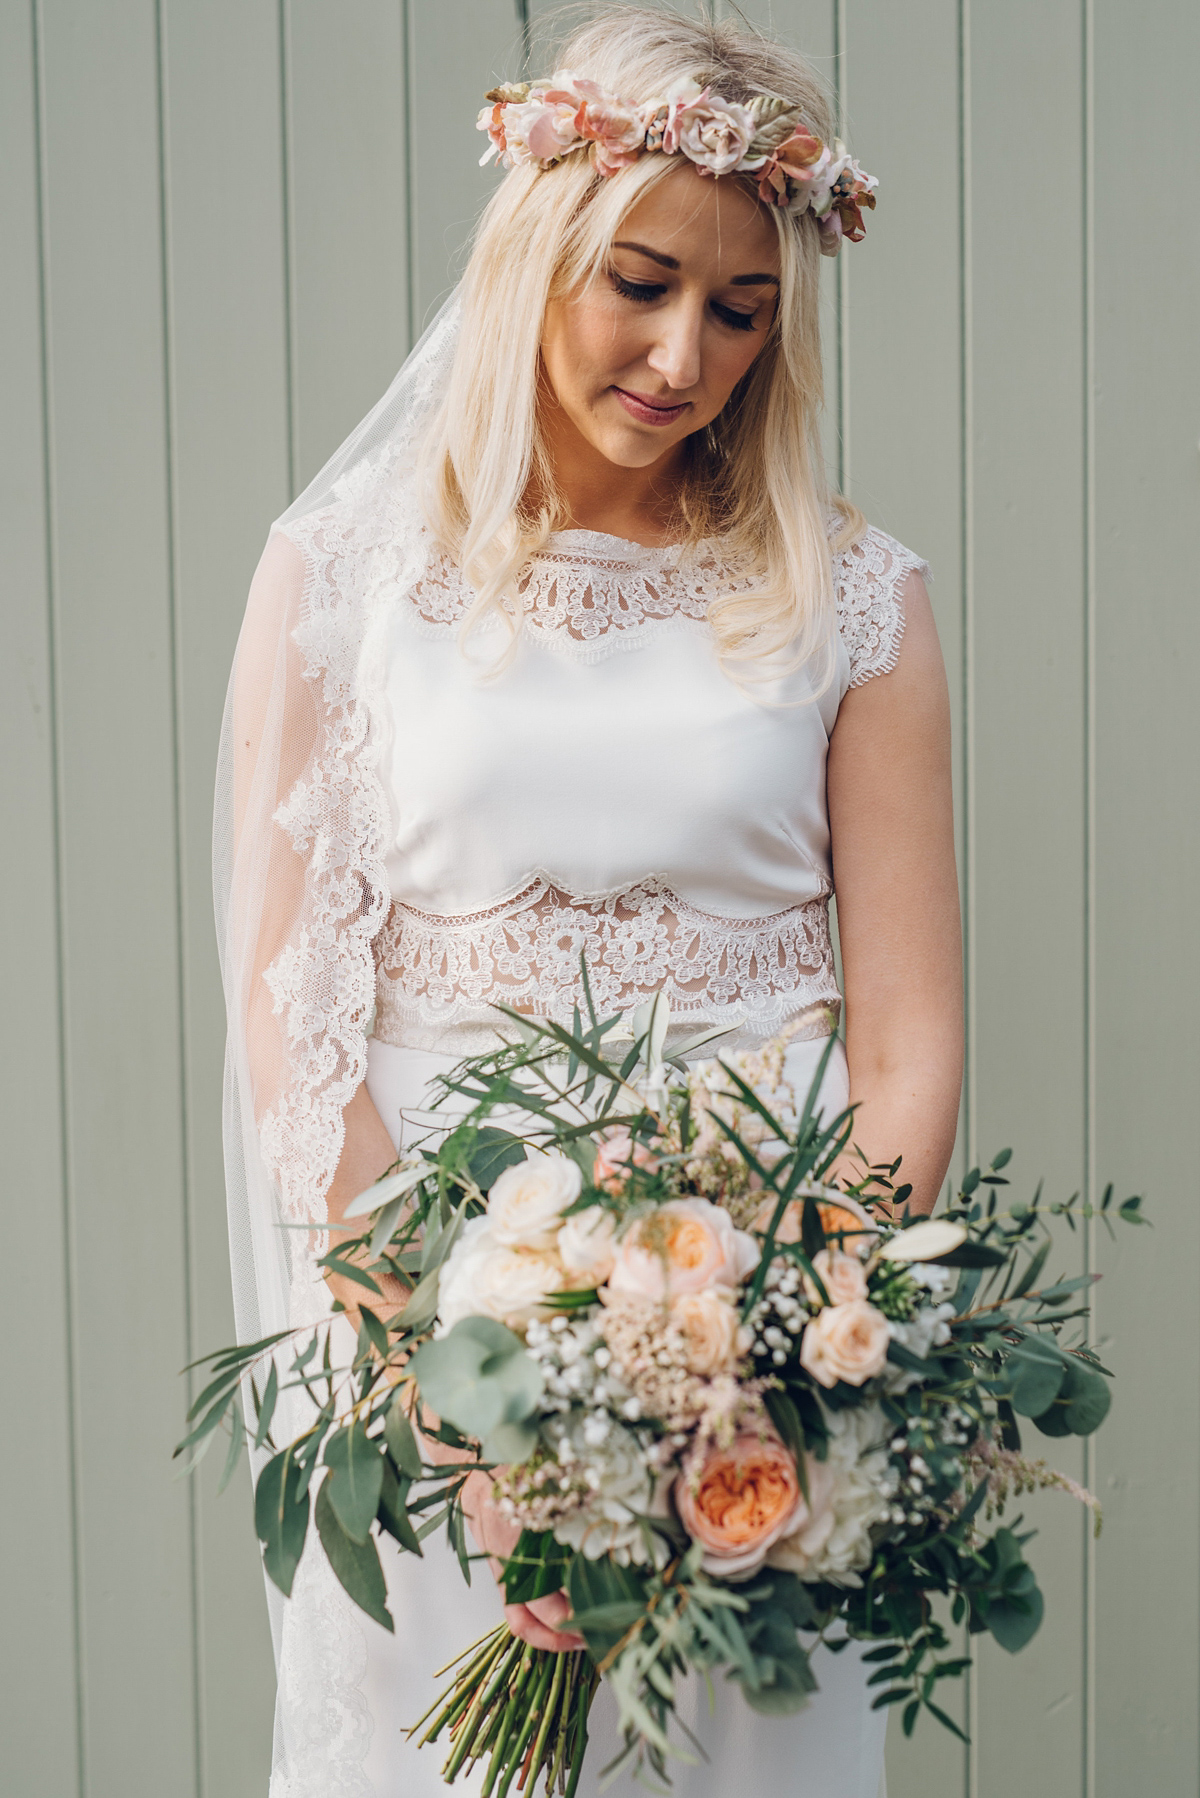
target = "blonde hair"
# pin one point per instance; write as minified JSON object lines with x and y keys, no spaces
{"x":755,"y":474}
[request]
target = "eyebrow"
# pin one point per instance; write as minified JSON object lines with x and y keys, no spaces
{"x":671,"y":262}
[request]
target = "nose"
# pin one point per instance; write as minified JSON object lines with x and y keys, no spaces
{"x":675,"y":354}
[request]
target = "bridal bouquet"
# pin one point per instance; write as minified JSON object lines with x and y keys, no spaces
{"x":733,"y":1408}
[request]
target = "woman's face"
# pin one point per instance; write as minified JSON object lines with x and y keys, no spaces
{"x":650,"y":350}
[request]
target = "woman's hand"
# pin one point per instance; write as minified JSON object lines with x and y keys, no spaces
{"x":537,"y":1622}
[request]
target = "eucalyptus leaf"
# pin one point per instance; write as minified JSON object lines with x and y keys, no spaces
{"x":393,"y":1512}
{"x":281,"y":1518}
{"x":1033,"y":1373}
{"x":479,"y":1377}
{"x":401,"y":1441}
{"x":266,"y":1410}
{"x":494,"y":1150}
{"x":356,"y":1479}
{"x":356,"y":1564}
{"x":391,"y":1187}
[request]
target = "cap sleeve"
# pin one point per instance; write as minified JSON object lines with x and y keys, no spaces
{"x":868,"y":578}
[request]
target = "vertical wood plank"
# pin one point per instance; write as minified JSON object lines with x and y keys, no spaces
{"x":1027,"y":828}
{"x":348,"y":190}
{"x":1147,"y":862}
{"x":454,"y":58}
{"x":902,"y":358}
{"x":120,"y":900}
{"x":229,"y":457}
{"x":37,"y":1590}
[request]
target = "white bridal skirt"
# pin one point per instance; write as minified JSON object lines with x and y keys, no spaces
{"x":348,"y":1690}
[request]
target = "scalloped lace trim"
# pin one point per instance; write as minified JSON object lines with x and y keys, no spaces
{"x":323,"y":980}
{"x":868,"y":578}
{"x":323,"y":1721}
{"x":440,"y":972}
{"x":587,"y":594}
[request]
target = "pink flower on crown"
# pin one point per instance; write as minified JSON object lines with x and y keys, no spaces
{"x":491,"y":120}
{"x":791,"y":166}
{"x":713,"y":133}
{"x":681,"y":95}
{"x":616,"y":131}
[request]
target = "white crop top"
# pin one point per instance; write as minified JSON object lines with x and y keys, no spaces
{"x":612,"y":792}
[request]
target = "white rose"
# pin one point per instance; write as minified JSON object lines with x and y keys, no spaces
{"x":528,"y":1200}
{"x":484,"y":1278}
{"x":709,"y":1326}
{"x":856,"y":1483}
{"x":845,"y":1342}
{"x":587,"y":1244}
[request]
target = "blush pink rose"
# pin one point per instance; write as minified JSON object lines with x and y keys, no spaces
{"x":845,"y":1342}
{"x":683,"y":1246}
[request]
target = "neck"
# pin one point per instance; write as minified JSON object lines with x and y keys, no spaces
{"x":641,"y":504}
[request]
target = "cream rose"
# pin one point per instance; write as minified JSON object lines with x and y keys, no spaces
{"x":484,"y":1278}
{"x":526,"y":1203}
{"x":709,"y":1325}
{"x":841,"y":1275}
{"x":845,"y":1342}
{"x":683,"y":1246}
{"x":587,"y":1244}
{"x":715,"y":134}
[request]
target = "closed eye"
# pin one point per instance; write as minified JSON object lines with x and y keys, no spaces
{"x":729,"y":315}
{"x":644,"y":293}
{"x":641,"y":291}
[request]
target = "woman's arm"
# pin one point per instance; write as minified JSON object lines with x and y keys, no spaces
{"x":892,"y":826}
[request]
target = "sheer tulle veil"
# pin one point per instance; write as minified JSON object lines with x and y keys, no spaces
{"x":300,"y":828}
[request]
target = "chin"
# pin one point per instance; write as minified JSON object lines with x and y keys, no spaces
{"x":630,"y":449}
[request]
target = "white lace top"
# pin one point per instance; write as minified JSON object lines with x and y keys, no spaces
{"x":612,"y":792}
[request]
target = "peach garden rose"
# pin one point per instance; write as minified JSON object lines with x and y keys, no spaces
{"x":742,"y":1500}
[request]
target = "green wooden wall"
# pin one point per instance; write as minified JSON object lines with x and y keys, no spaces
{"x":222,"y":221}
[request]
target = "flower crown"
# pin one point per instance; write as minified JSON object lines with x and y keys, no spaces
{"x":543,"y":121}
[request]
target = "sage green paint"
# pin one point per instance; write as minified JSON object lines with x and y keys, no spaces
{"x":223,"y":221}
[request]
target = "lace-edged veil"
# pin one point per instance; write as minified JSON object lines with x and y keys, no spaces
{"x":299,"y":834}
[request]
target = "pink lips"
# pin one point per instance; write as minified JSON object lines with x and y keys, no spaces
{"x":649,"y":412}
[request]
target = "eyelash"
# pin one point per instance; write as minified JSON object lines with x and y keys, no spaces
{"x":645,"y":292}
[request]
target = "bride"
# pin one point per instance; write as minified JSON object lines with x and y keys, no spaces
{"x":571,"y":650}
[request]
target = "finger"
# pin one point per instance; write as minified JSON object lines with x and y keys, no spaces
{"x":553,"y":1609}
{"x":524,"y":1624}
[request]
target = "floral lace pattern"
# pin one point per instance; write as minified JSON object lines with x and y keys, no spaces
{"x":323,"y":1720}
{"x":868,"y":577}
{"x":323,"y":980}
{"x":444,"y":972}
{"x":587,"y":594}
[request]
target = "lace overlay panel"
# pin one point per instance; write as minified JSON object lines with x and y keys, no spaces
{"x":440,"y":974}
{"x":588,"y":594}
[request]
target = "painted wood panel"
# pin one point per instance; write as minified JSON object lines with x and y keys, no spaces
{"x":1145,"y":873}
{"x":110,"y":536}
{"x":229,"y":440}
{"x":35,"y":1321}
{"x":226,"y":220}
